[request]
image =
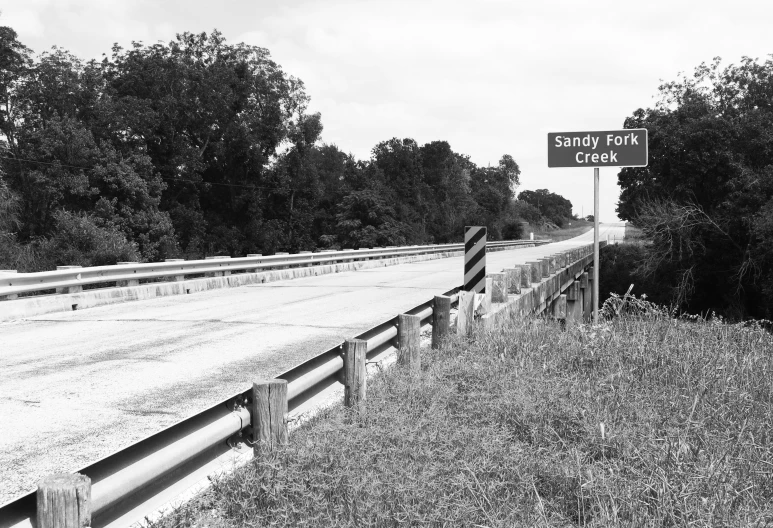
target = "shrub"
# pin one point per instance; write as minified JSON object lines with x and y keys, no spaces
{"x":80,"y":240}
{"x":618,"y":269}
{"x":512,"y":231}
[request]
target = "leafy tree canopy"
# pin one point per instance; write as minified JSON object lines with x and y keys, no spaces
{"x":552,"y":206}
{"x":706,"y":197}
{"x":199,"y":146}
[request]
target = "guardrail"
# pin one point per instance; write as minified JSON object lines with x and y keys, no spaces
{"x":66,"y":280}
{"x":146,"y":472}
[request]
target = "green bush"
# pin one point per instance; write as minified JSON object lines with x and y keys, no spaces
{"x":618,"y":270}
{"x":79,"y":240}
{"x":512,"y":231}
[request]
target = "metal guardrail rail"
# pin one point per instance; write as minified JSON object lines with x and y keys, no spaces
{"x":125,"y":480}
{"x":15,"y":283}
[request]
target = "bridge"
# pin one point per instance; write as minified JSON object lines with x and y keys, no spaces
{"x":78,"y":385}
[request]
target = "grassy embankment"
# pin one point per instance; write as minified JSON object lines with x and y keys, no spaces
{"x":577,"y":228}
{"x":634,"y":235}
{"x":637,"y":422}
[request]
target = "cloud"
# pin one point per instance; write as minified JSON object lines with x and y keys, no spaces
{"x":25,"y":21}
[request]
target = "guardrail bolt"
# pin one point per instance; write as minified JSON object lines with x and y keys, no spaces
{"x":441,"y":319}
{"x":269,"y":415}
{"x":64,"y":501}
{"x":355,"y":351}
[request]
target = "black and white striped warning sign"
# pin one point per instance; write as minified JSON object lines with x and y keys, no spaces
{"x":475,"y":259}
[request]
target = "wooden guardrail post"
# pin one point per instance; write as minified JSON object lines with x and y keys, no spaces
{"x":441,"y":319}
{"x":465,"y":316}
{"x":355,"y":351}
{"x":513,"y":280}
{"x":408,"y":337}
{"x":269,"y":411}
{"x":498,"y":287}
{"x":64,"y":501}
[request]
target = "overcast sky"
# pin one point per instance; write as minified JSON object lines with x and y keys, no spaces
{"x":489,"y":77}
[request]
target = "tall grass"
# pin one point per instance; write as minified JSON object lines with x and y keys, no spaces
{"x":643,"y":421}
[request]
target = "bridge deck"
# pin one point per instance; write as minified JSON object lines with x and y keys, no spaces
{"x":77,"y":386}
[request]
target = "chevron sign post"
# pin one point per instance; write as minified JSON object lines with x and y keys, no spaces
{"x":475,"y":259}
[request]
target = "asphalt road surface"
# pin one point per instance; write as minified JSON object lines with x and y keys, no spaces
{"x":77,"y":386}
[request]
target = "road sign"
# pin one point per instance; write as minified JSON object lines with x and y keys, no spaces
{"x":614,"y":148}
{"x":475,"y":259}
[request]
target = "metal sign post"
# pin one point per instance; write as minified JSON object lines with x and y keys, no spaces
{"x":595,"y":245}
{"x":613,"y":148}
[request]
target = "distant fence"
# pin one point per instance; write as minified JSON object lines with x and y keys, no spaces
{"x":137,"y":479}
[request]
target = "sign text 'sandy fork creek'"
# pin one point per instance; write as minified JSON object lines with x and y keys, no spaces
{"x":615,"y":148}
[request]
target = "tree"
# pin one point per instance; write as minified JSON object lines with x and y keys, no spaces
{"x":15,"y":64}
{"x":211,"y":116}
{"x":552,"y":206}
{"x":399,"y":165}
{"x":449,"y":201}
{"x":198,"y":146}
{"x":705,"y":197}
{"x":365,"y":219}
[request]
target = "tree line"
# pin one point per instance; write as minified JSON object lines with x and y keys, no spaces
{"x":200,"y":147}
{"x":706,"y":198}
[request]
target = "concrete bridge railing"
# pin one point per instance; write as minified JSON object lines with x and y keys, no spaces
{"x":27,"y":294}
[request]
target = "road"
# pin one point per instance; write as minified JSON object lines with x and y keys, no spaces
{"x":77,"y":386}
